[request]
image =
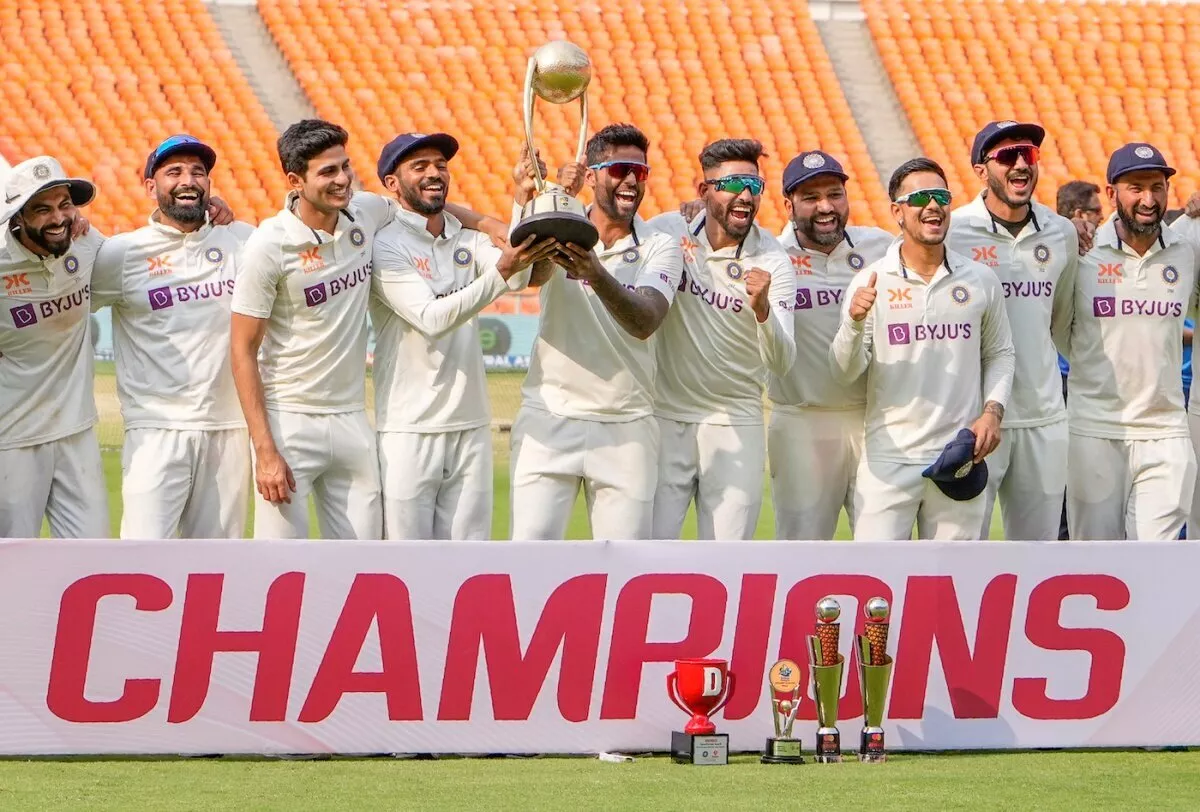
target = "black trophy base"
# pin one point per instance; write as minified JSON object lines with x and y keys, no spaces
{"x":870,"y":748}
{"x":699,"y":750}
{"x":829,"y":747}
{"x":782,"y":751}
{"x":562,"y":226}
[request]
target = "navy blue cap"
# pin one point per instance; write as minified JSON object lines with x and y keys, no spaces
{"x":405,"y":143}
{"x":955,"y":472}
{"x":808,"y":165}
{"x":995,"y":131}
{"x":1134,"y":157}
{"x":180,"y":143}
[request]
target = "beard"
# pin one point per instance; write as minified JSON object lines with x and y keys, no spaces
{"x":56,"y":247}
{"x":737,"y":230}
{"x":412,"y":196}
{"x":997,"y":187}
{"x":188,"y":213}
{"x":808,"y":228}
{"x":1133,"y":226}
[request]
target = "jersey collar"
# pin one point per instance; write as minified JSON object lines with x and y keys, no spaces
{"x":171,"y":231}
{"x":748,"y":244}
{"x":1107,"y":236}
{"x":300,"y":234}
{"x":418,"y":223}
{"x":977,"y":214}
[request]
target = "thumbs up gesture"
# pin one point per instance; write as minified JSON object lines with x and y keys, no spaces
{"x":864,"y":299}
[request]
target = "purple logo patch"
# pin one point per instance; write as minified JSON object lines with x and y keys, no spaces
{"x":899,"y":334}
{"x":1104,"y":307}
{"x":315,"y":295}
{"x":23,"y":315}
{"x":803,"y":299}
{"x":161,"y":298}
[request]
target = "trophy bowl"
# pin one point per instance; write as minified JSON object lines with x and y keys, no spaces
{"x":561,"y":71}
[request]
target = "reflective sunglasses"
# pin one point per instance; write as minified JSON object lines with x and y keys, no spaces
{"x":920,"y":198}
{"x":621,"y":169}
{"x":738,"y":183}
{"x":1007,"y":156}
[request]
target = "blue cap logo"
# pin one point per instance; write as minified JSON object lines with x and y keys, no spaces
{"x":1143,"y":152}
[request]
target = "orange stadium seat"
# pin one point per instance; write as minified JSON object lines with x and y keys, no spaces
{"x":99,"y":83}
{"x":685,"y":72}
{"x":1095,"y":74}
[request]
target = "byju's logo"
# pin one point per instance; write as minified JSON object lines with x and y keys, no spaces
{"x":1104,"y":307}
{"x":23,"y":315}
{"x":161,"y":298}
{"x":315,"y":295}
{"x":803,"y":299}
{"x":899,"y":334}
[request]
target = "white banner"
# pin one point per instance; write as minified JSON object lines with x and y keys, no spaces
{"x":504,"y":647}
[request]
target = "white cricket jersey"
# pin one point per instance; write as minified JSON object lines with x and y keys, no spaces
{"x":585,"y":365}
{"x":713,"y":355}
{"x":46,"y":370}
{"x":1125,"y":342}
{"x":1189,"y":229}
{"x":1037,"y":275}
{"x":932,"y":354}
{"x":821,"y":282}
{"x":429,"y":374}
{"x":312,"y":287}
{"x":170,"y":293}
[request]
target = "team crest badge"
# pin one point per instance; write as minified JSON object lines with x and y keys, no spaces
{"x":1170,"y":275}
{"x":214,"y":255}
{"x":41,"y":172}
{"x":631,"y":256}
{"x":1004,"y":125}
{"x":71,"y":265}
{"x":357,"y":238}
{"x":856,"y":261}
{"x":813,"y":161}
{"x":960,"y":295}
{"x":462,"y":257}
{"x":1144,"y":153}
{"x":1041,"y":253}
{"x":734,"y":271}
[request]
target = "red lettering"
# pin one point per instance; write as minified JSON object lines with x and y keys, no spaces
{"x":374,"y":598}
{"x":799,"y":620}
{"x":1106,"y":647}
{"x":73,"y":649}
{"x":749,"y":659}
{"x":485,"y":617}
{"x":629,"y":649}
{"x":932,"y":614}
{"x":199,"y":641}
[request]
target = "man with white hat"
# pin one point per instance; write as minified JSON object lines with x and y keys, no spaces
{"x":49,"y":456}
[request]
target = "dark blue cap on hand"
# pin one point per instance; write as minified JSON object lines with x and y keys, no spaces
{"x":955,"y":472}
{"x":996,"y":131}
{"x":1135,"y":157}
{"x":808,"y":165}
{"x":403,"y":144}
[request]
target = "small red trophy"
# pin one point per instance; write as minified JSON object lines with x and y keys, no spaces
{"x":700,"y":687}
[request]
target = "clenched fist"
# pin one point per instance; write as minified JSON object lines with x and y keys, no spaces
{"x":864,"y":299}
{"x":571,"y":177}
{"x":758,"y":288}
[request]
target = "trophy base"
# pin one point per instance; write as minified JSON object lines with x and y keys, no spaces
{"x":829,"y":747}
{"x":699,"y":750}
{"x":562,"y":226}
{"x":782,"y":751}
{"x":870,"y":748}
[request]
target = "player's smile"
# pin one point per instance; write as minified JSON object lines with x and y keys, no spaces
{"x":188,"y":195}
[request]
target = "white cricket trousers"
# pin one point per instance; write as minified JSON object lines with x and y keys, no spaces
{"x":1129,"y":489}
{"x":333,"y":458}
{"x":891,"y":496}
{"x":721,"y":467}
{"x":616,"y":464}
{"x":1028,"y":471}
{"x":62,"y":480}
{"x":814,"y":456}
{"x":437,"y":485}
{"x":185,"y":484}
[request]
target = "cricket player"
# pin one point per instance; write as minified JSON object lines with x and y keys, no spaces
{"x":1034,"y":253}
{"x":186,"y":457}
{"x":587,"y":404}
{"x":815,"y":438}
{"x":1132,"y":468}
{"x":928,"y":329}
{"x":49,"y":456}
{"x":431,"y":277}
{"x":731,"y":325}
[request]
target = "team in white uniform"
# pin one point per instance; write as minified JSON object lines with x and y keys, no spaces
{"x":186,"y":455}
{"x":928,"y":329}
{"x":815,"y":437}
{"x":1132,"y":468}
{"x":1034,"y":253}
{"x":587,"y":405}
{"x":49,"y":457}
{"x":731,"y":325}
{"x":431,"y":277}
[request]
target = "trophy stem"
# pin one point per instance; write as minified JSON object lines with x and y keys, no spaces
{"x":583,"y":128}
{"x":537,"y":172}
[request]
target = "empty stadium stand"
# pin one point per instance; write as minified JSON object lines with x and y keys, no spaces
{"x":1095,"y":74}
{"x":99,"y":83}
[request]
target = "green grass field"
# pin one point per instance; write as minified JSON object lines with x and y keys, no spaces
{"x":1016,"y":781}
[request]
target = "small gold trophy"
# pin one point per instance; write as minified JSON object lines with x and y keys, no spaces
{"x":783,"y":689}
